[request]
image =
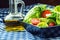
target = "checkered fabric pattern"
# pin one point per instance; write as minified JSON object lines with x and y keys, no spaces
{"x":18,"y":35}
{"x":4,"y":35}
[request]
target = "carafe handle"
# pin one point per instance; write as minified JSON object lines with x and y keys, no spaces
{"x":13,"y":6}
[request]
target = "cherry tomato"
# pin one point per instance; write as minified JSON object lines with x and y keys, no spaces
{"x":46,"y":13}
{"x":35,"y":21}
{"x":52,"y":24}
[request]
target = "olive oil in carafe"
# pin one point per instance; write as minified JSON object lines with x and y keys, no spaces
{"x":13,"y":25}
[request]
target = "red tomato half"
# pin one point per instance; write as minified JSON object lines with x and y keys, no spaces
{"x":35,"y":21}
{"x":52,"y":24}
{"x":46,"y":13}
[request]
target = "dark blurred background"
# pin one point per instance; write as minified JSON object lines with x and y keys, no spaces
{"x":5,"y":3}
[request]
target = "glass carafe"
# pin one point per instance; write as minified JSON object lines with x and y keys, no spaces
{"x":12,"y":21}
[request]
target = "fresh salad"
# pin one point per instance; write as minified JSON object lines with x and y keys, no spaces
{"x":42,"y":17}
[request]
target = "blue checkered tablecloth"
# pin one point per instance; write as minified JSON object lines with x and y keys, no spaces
{"x":4,"y":35}
{"x":18,"y":35}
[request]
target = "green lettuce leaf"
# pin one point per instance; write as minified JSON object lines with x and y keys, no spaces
{"x":35,"y":12}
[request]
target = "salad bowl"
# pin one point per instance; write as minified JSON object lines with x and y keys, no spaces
{"x":49,"y":32}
